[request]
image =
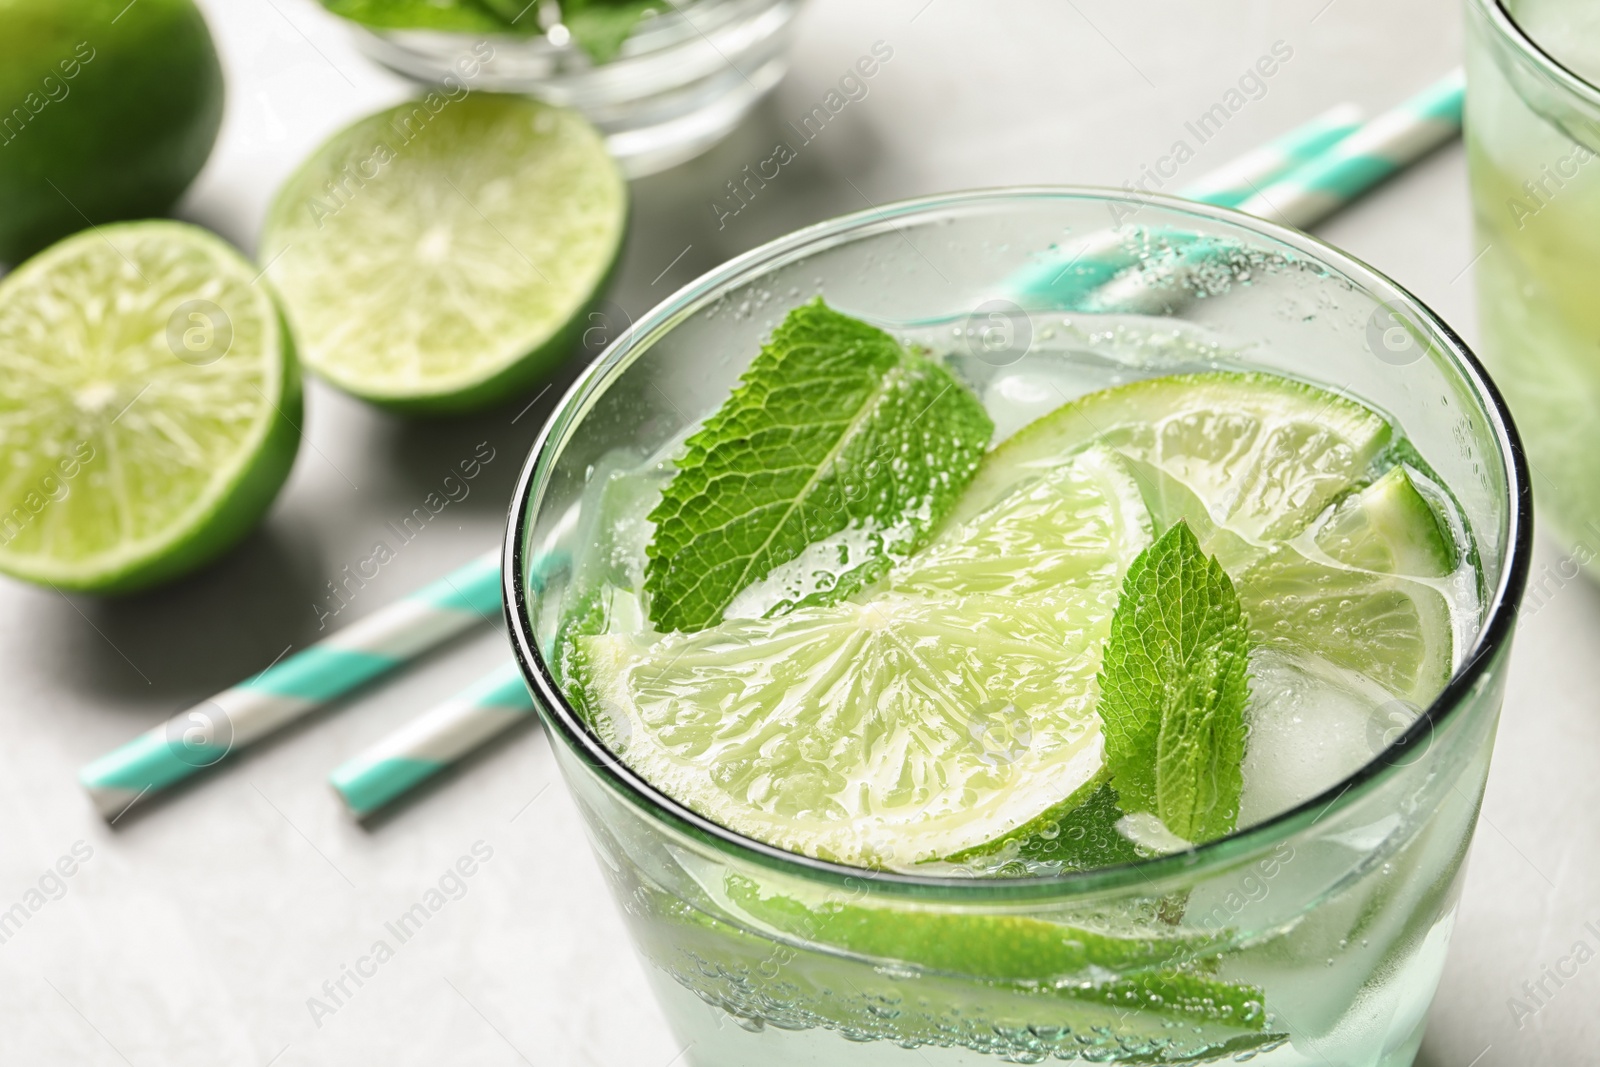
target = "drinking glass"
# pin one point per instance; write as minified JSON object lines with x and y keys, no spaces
{"x":1533,"y":133}
{"x":1326,"y":925}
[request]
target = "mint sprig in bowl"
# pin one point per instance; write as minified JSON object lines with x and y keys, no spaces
{"x":663,"y":79}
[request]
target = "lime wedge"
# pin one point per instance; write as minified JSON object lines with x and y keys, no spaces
{"x":1077,"y":834}
{"x":1013,"y":987}
{"x":151,"y":406}
{"x":1154,"y":973}
{"x":450,"y":16}
{"x":935,"y":713}
{"x":1264,"y":454}
{"x":1359,"y":593}
{"x":441,"y":260}
{"x":1390,"y":528}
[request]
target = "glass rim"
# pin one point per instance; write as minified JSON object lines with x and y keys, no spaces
{"x":1501,"y":605}
{"x":1510,"y":30}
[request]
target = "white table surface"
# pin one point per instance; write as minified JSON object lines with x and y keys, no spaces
{"x":197,"y":930}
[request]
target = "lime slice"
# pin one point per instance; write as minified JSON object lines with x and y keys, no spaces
{"x":1079,"y":833}
{"x":151,"y":406}
{"x":1366,"y":592}
{"x":1014,"y":987}
{"x":1264,"y":454}
{"x":913,"y":722}
{"x":1074,"y":961}
{"x":441,"y":260}
{"x":1251,"y":460}
{"x":1078,"y":525}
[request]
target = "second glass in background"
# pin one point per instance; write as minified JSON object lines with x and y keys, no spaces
{"x":1533,"y":138}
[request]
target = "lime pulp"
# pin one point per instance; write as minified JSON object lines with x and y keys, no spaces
{"x":443,"y":255}
{"x":151,"y":407}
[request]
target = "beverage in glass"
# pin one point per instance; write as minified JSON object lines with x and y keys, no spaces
{"x":820,"y":870}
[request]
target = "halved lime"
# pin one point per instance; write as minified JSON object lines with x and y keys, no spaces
{"x":1264,"y":454}
{"x":151,"y":406}
{"x":443,"y":254}
{"x":1359,"y":593}
{"x":935,"y":713}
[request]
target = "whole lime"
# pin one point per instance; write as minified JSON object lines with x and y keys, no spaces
{"x":108,"y":109}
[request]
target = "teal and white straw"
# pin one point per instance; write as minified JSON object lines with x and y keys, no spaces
{"x":1233,"y":183}
{"x":1305,"y":196}
{"x":204,"y":734}
{"x":432,"y":741}
{"x":1370,"y":155}
{"x":1080,"y":267}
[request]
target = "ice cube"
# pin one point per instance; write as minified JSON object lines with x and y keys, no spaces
{"x":1311,"y":725}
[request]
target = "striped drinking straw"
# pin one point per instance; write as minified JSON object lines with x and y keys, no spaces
{"x":432,"y":741}
{"x":1367,"y":157}
{"x":1233,"y":183}
{"x":1079,"y":268}
{"x":204,"y":734}
{"x":1305,"y":196}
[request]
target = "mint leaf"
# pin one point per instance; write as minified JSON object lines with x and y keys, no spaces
{"x":834,"y":427}
{"x":524,"y":14}
{"x":458,"y":16}
{"x":601,"y":26}
{"x":598,"y":27}
{"x":1173,"y":687}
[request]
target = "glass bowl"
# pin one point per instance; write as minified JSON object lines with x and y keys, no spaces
{"x":681,"y":82}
